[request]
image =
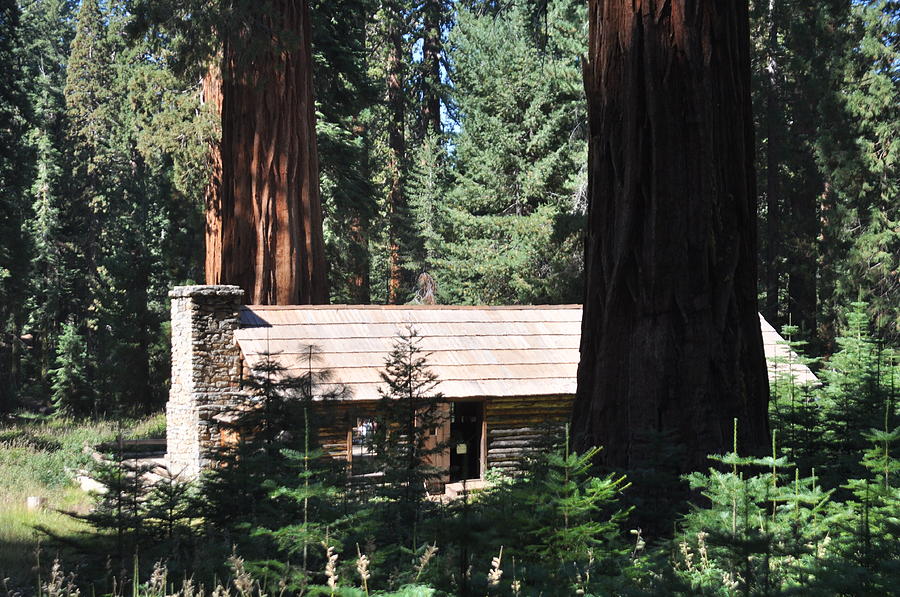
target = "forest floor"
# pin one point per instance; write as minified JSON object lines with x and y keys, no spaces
{"x":40,"y":457}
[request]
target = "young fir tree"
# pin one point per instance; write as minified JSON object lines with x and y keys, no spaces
{"x":862,"y":556}
{"x":794,"y":408}
{"x":405,"y":440}
{"x":571,"y":519}
{"x":760,"y":530}
{"x":71,"y":390}
{"x":859,"y":393}
{"x":275,"y":489}
{"x":313,"y":488}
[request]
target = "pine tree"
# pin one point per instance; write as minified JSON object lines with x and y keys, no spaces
{"x":16,"y":163}
{"x":275,"y":482}
{"x":798,"y":55}
{"x":860,"y":159}
{"x":404,"y":439}
{"x":859,"y":393}
{"x":49,"y":28}
{"x":510,"y":231}
{"x":570,"y":512}
{"x":427,"y":210}
{"x":760,"y":530}
{"x":72,"y":392}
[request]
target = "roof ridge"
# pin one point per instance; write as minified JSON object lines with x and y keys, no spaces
{"x":342,"y":307}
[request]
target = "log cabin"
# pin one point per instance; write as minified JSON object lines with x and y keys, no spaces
{"x":507,"y":373}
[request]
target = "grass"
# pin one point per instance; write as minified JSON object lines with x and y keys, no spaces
{"x":39,"y":457}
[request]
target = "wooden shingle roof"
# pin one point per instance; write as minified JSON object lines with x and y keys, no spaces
{"x":475,"y":351}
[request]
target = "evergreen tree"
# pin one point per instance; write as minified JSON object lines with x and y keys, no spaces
{"x":509,"y":230}
{"x":798,"y":55}
{"x":860,"y":158}
{"x":346,"y":93}
{"x":405,"y":440}
{"x":16,"y":163}
{"x":49,"y":28}
{"x":571,"y":514}
{"x":859,"y":393}
{"x":276,"y":487}
{"x":758,"y":532}
{"x":71,"y":389}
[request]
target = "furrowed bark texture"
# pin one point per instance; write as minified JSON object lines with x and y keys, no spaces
{"x":396,"y":201}
{"x":264,"y":217}
{"x":431,"y":59}
{"x":671,"y":341}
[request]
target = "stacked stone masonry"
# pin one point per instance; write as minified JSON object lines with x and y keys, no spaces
{"x":206,"y":373}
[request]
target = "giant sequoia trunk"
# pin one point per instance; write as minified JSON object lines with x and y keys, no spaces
{"x":264,"y":218}
{"x":671,"y":343}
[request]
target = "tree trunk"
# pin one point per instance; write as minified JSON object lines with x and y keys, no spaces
{"x":359,"y":261}
{"x":671,"y":342}
{"x":774,"y":123}
{"x":396,"y":203}
{"x":431,"y":61}
{"x":803,"y":263}
{"x":264,"y":218}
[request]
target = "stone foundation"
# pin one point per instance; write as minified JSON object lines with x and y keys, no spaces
{"x":206,"y":373}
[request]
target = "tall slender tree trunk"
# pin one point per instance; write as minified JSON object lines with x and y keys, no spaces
{"x":671,"y":340}
{"x":803,"y":263}
{"x":826,"y":279}
{"x":431,"y":59}
{"x":396,"y":203}
{"x":359,"y":261}
{"x":264,"y":217}
{"x":774,"y":122}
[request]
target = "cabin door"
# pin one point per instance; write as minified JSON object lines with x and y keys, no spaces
{"x":466,"y":422}
{"x":439,"y":459}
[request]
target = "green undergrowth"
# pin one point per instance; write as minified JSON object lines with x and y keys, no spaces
{"x":40,"y":457}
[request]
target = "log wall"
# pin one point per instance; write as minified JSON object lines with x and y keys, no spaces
{"x":518,"y":426}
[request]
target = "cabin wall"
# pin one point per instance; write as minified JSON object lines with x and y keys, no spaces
{"x":517,"y":426}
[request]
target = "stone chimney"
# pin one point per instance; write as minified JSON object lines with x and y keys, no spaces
{"x":206,"y":373}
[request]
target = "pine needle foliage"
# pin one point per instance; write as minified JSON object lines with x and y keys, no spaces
{"x":405,"y":442}
{"x":761,"y":532}
{"x":567,"y":505}
{"x":560,"y":525}
{"x":71,"y":389}
{"x":272,"y":446}
{"x":825,"y":427}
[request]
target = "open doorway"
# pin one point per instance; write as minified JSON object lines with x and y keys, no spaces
{"x":466,"y":423}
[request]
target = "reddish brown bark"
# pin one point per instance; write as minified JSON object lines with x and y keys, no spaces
{"x":264,"y":217}
{"x":359,"y":262}
{"x":396,"y":202}
{"x":671,"y":343}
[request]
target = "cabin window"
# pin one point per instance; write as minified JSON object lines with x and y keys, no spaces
{"x":362,"y":459}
